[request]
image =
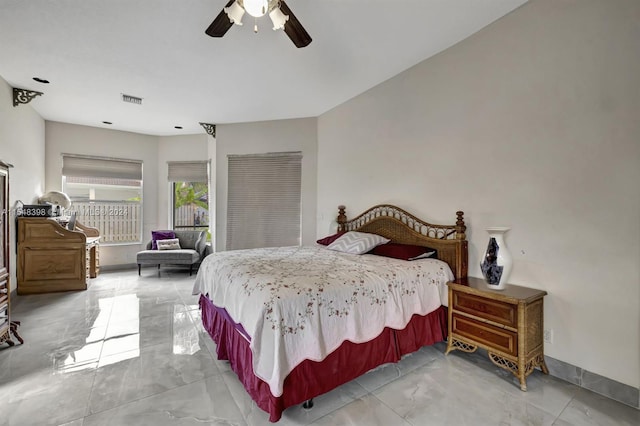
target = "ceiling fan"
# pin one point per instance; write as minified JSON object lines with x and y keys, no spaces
{"x":278,"y":11}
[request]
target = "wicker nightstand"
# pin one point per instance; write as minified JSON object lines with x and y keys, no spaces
{"x":507,"y":323}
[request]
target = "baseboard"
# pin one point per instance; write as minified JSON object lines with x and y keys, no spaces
{"x":121,"y":267}
{"x":601,"y":385}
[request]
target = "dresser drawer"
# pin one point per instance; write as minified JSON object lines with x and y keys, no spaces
{"x":492,"y":310}
{"x":485,"y":334}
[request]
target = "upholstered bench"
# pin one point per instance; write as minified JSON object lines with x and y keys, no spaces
{"x":191,"y":251}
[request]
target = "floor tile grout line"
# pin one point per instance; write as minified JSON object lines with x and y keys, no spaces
{"x":226,"y":386}
{"x":131,"y":401}
{"x":87,"y":410}
{"x":392,"y":410}
{"x":564,"y":408}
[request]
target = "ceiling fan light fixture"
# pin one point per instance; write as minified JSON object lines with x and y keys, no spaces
{"x":278,"y":18}
{"x":281,"y":16}
{"x":235,"y":12}
{"x":256,"y":8}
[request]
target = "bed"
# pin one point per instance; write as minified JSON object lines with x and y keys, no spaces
{"x":296,"y":322}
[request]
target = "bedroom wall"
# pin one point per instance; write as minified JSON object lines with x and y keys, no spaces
{"x":263,"y":137}
{"x":74,"y":139}
{"x":21,"y":144}
{"x":211,"y":149}
{"x":175,"y":148}
{"x":531,"y":123}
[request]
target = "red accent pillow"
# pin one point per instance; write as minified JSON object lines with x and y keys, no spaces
{"x":160,"y":235}
{"x":331,"y":238}
{"x":404,"y":251}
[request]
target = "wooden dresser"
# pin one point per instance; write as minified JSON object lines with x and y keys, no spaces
{"x":507,"y":323}
{"x":52,"y":258}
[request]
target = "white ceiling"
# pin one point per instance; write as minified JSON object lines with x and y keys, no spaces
{"x":92,"y":51}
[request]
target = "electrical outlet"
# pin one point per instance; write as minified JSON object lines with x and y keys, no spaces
{"x":548,"y":335}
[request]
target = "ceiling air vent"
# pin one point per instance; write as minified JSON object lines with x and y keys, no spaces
{"x":131,"y":99}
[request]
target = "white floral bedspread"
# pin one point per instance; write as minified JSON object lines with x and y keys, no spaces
{"x":300,"y":303}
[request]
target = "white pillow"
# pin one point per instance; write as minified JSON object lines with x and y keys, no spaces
{"x":170,"y":244}
{"x":357,"y":242}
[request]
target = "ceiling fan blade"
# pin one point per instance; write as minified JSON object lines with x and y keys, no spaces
{"x":294,"y":29}
{"x":221,"y":24}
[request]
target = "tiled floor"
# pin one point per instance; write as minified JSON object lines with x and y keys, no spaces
{"x":131,"y":351}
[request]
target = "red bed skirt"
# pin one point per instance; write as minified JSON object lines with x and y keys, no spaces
{"x":310,"y":378}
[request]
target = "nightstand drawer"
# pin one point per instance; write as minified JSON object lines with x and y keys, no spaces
{"x":485,"y":334}
{"x":492,"y":310}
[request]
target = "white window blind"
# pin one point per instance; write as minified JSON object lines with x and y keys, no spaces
{"x":263,"y":206}
{"x":188,"y":171}
{"x":101,"y":168}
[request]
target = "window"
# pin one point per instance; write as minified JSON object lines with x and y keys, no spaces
{"x":263,"y":206}
{"x":106,"y":193}
{"x":189,"y":182}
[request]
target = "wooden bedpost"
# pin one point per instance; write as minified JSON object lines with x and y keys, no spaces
{"x":342,"y":218}
{"x":462,"y":249}
{"x":460,"y":226}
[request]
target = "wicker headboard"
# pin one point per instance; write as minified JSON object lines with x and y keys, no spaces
{"x":401,"y":227}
